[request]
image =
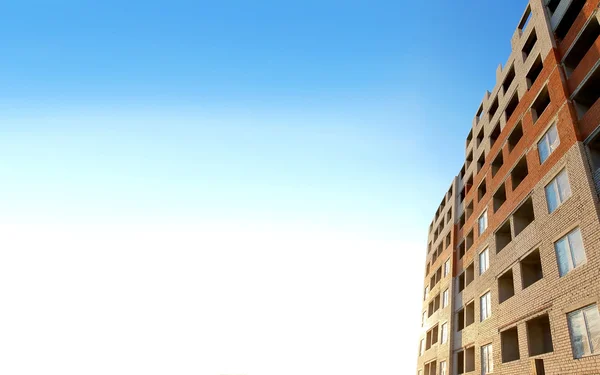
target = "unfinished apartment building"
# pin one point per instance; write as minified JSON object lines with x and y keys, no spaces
{"x":512,"y":283}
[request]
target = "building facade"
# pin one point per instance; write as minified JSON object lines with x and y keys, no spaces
{"x":512,"y":276}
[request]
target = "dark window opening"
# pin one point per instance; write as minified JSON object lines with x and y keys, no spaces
{"x":538,"y":367}
{"x":469,"y":240}
{"x":469,"y":184}
{"x":531,"y":269}
{"x":525,"y":20}
{"x":495,"y":134}
{"x":481,"y":190}
{"x":523,"y":216}
{"x":515,"y":137}
{"x":448,"y":237}
{"x":461,"y":250}
{"x":480,"y":138}
{"x":569,"y":17}
{"x":540,"y":104}
{"x":460,"y":320}
{"x":588,"y":94}
{"x":582,"y":45}
{"x":519,"y":172}
{"x":479,"y":112}
{"x":469,"y":209}
{"x":493,"y":108}
{"x":512,"y":105}
{"x":529,"y":44}
{"x":470,"y":314}
{"x":462,"y":221}
{"x":539,"y":336}
{"x":506,"y":286}
{"x":594,"y":158}
{"x":509,"y":341}
{"x":503,"y":236}
{"x":510,"y":76}
{"x":460,"y":362}
{"x":481,"y":162}
{"x":497,"y":163}
{"x":499,"y":197}
{"x":461,"y":282}
{"x":469,"y":274}
{"x":469,"y":137}
{"x":534,"y":71}
{"x":552,"y":4}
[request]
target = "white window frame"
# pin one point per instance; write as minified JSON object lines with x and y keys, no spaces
{"x":553,"y":187}
{"x":485,"y":306}
{"x":487,"y":359}
{"x":590,"y":343}
{"x":485,"y":222}
{"x":443,"y":368}
{"x":446,"y":268}
{"x":485,"y":262}
{"x":421,"y":347}
{"x":546,"y":141}
{"x":444,"y":333}
{"x":445,"y":298}
{"x":426,"y":293}
{"x":571,"y":259}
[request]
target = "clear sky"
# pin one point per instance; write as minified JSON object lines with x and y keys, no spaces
{"x":233,"y":187}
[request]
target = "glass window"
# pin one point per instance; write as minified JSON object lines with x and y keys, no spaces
{"x":443,"y":368}
{"x":548,"y":143}
{"x":487,"y":359}
{"x":557,"y":191}
{"x":584,"y":328}
{"x":445,"y":296}
{"x":483,"y":222}
{"x":569,"y":252}
{"x":444,"y":333}
{"x":447,"y":268}
{"x":485,"y":303}
{"x":426,"y":292}
{"x":424,"y":318}
{"x":484,"y":261}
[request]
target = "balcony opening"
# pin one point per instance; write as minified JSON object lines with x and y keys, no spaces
{"x":460,"y":320}
{"x":430,"y":309}
{"x":447,"y":240}
{"x":582,"y":45}
{"x":525,"y":20}
{"x":461,"y":282}
{"x":470,"y":314}
{"x":534,"y":71}
{"x":469,"y":184}
{"x":503,"y":236}
{"x":539,"y":336}
{"x":480,"y":137}
{"x":495,"y":134}
{"x":519,"y":172}
{"x":480,"y":162}
{"x":506,"y":286}
{"x":567,"y":21}
{"x":594,"y":158}
{"x":448,"y":217}
{"x":469,"y":240}
{"x":469,"y":137}
{"x":462,"y":221}
{"x":515,"y":136}
{"x":469,"y":274}
{"x":438,"y":276}
{"x":470,"y":157}
{"x":431,"y":338}
{"x":499,"y":197}
{"x":509,"y":341}
{"x":479,"y":112}
{"x":462,"y":171}
{"x":460,"y":362}
{"x":531,"y":269}
{"x":588,"y":94}
{"x":481,"y":190}
{"x":470,"y":359}
{"x":529,"y":44}
{"x":512,"y":105}
{"x":430,"y":368}
{"x":493,"y":108}
{"x":523,"y":216}
{"x":510,"y":76}
{"x":540,"y":104}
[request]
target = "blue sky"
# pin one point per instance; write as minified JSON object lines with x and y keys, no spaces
{"x":317,"y":118}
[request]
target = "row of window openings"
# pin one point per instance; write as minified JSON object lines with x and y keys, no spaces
{"x":547,"y":144}
{"x":433,"y":336}
{"x":442,"y":225}
{"x":584,"y":333}
{"x":434,"y":305}
{"x":538,"y":108}
{"x":442,"y":272}
{"x":438,"y":251}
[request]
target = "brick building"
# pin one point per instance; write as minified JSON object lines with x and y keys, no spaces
{"x":512,"y":279}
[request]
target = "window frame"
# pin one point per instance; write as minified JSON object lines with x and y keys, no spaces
{"x":571,"y":258}
{"x":589,"y":340}
{"x":488,"y":306}
{"x":446,"y":268}
{"x":555,"y":189}
{"x":443,"y":368}
{"x":487,"y":359}
{"x":445,"y":298}
{"x":444,"y":328}
{"x":487,"y":260}
{"x":482,"y":216}
{"x":546,"y":141}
